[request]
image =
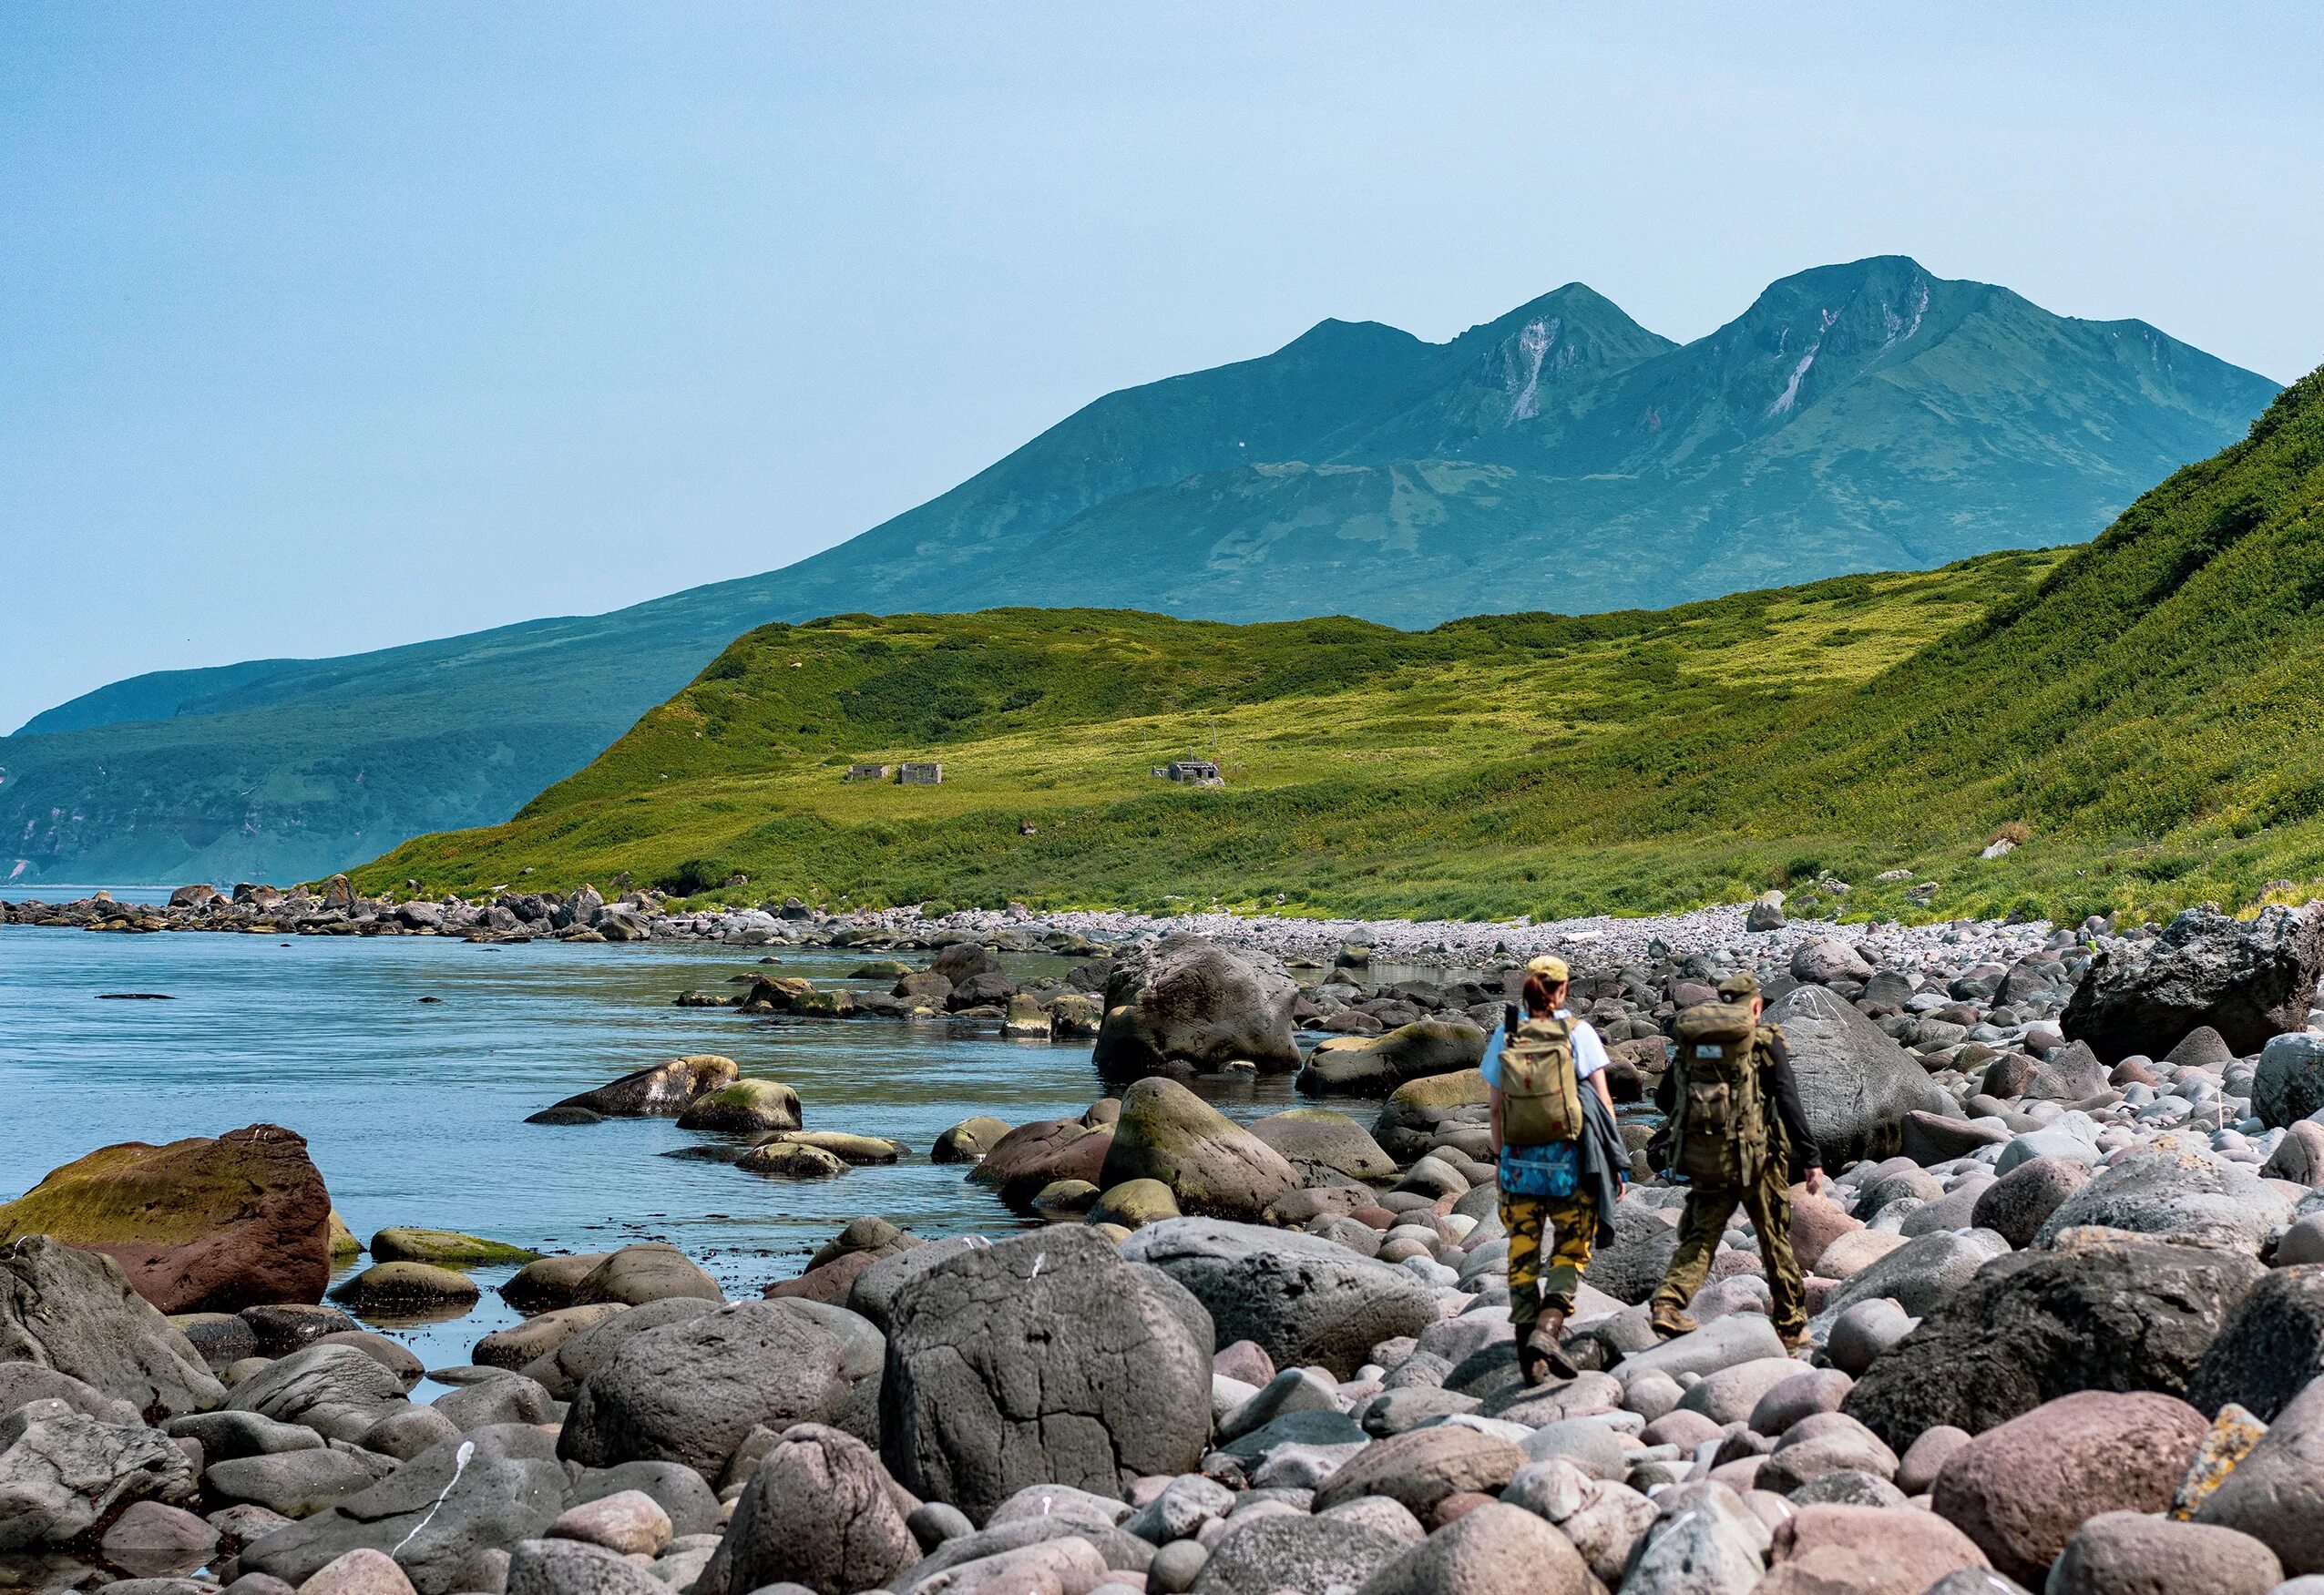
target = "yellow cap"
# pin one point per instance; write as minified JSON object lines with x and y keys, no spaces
{"x":1549,"y":967}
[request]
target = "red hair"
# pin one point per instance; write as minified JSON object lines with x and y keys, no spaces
{"x":1537,"y":995}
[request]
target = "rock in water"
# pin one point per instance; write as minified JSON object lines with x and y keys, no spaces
{"x":1375,"y":1066}
{"x":198,"y":1225}
{"x":1039,"y":1154}
{"x":1044,"y":1359}
{"x":1212,"y":1165}
{"x":1300,"y":1298}
{"x":2247,"y":980}
{"x":1190,"y":1003}
{"x":2111,"y":1312}
{"x":1855,"y":1085}
{"x":692,"y":1391}
{"x":74,"y":1311}
{"x":746,"y":1105}
{"x":663,"y":1091}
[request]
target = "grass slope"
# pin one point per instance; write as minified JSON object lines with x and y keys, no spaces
{"x":2143,"y":712}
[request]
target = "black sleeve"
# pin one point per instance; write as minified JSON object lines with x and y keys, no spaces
{"x":1804,"y":1151}
{"x":1667,"y":1089}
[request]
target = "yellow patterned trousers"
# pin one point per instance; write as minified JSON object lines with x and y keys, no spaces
{"x":1572,"y":1221}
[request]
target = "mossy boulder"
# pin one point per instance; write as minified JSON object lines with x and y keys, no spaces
{"x":391,"y":1286}
{"x":854,"y":1149}
{"x":1317,"y":1141}
{"x":791,"y":1160}
{"x":968,"y":1140}
{"x":1211,"y":1164}
{"x":198,"y":1225}
{"x":1031,"y":1155}
{"x":1134,"y":1202}
{"x":665,"y":1090}
{"x":746,"y":1105}
{"x":1065,"y":1199}
{"x":1376,"y":1065}
{"x":446,"y":1247}
{"x":343,"y":1243}
{"x":1418,"y":1110}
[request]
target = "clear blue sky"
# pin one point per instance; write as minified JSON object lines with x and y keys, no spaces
{"x":326,"y":327}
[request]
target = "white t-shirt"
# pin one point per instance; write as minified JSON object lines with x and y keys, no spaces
{"x":1588,"y":1052}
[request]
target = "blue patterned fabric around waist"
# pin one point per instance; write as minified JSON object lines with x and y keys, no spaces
{"x":1553,"y":1169}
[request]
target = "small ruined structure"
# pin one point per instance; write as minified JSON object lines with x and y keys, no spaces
{"x":911,"y":774}
{"x":1197,"y":772}
{"x":870,"y":772}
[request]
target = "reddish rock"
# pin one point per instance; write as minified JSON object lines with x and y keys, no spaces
{"x":830,"y":1283}
{"x":1033,"y":1155}
{"x":2021,"y":1490}
{"x":1816,"y":1222}
{"x":1865,"y":1551}
{"x":198,"y":1225}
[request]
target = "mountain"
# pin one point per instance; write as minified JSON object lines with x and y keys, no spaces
{"x":1858,"y":417}
{"x":2138,"y":715}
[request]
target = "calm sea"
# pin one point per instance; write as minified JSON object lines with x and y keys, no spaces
{"x":415,"y":1110}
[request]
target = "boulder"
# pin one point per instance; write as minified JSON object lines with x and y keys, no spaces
{"x":338,"y":1391}
{"x":2176,"y":1187}
{"x":649,"y":1271}
{"x":1300,"y":1298}
{"x":1855,"y":1085}
{"x":2276,"y":1494}
{"x":745,"y":1106}
{"x":198,"y":1225}
{"x":1213,"y":1165}
{"x":1373,"y":1066}
{"x":537,"y":1337}
{"x":817,"y":1512}
{"x":538,"y":1287}
{"x":2070,"y":1073}
{"x":393,"y":1287}
{"x":1493,"y":1549}
{"x":1319,"y":1142}
{"x":1309,"y":1556}
{"x":1820,"y":963}
{"x":1420,"y":1469}
{"x":1044,"y":1358}
{"x":2269,"y":1349}
{"x":2288,"y":1085}
{"x":446,"y":1516}
{"x":1922,"y":1275}
{"x":1039,"y":1154}
{"x":445,"y":1248}
{"x":293,"y":1484}
{"x":76,"y":1313}
{"x":689,"y":1392}
{"x":582,"y":1353}
{"x":2111,"y":1313}
{"x":61,"y":1473}
{"x":2246,"y":979}
{"x":2021,"y":1490}
{"x":2020,"y":1202}
{"x":1419,"y":1111}
{"x":1189,"y":1003}
{"x":569,"y":1567}
{"x":968,"y":1140}
{"x":1867,"y":1550}
{"x":664,"y":1090}
{"x":2129,"y":1553}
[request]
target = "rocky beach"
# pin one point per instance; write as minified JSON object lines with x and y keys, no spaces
{"x":2067,"y":1285}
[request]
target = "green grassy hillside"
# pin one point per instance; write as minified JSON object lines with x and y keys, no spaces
{"x":1857,"y":417}
{"x":2142,"y":712}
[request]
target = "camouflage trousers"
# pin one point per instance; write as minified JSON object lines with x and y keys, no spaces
{"x":1572,"y":1220}
{"x":1767,"y":1202}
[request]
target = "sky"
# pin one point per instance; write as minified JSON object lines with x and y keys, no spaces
{"x":329,"y":327}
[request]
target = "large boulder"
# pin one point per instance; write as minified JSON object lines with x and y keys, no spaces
{"x":650,"y":1271}
{"x":2276,"y":1494}
{"x":1212,"y":1165}
{"x":746,"y":1105}
{"x":692,"y":1391}
{"x":1300,"y":1298}
{"x":2247,"y":980}
{"x":2111,"y":1312}
{"x":2176,"y":1187}
{"x":75,"y":1311}
{"x":1419,"y":1468}
{"x":1493,"y":1548}
{"x":1870,"y":1550}
{"x":338,"y":1390}
{"x":2021,"y":1490}
{"x":60,"y":1473}
{"x":198,"y":1225}
{"x":1189,"y":1003}
{"x":1043,"y":1359}
{"x":1039,"y":1154}
{"x":1855,"y":1085}
{"x":664,"y":1090}
{"x":2288,"y":1085}
{"x":817,"y":1512}
{"x":1320,"y":1143}
{"x":1419,"y":1111}
{"x":2269,"y":1349}
{"x":442,"y":1516}
{"x":1308,"y":1556}
{"x":1373,"y":1066}
{"x":2129,"y":1553}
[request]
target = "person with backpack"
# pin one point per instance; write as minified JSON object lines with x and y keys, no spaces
{"x":1559,"y":1154}
{"x":1735,"y":1136}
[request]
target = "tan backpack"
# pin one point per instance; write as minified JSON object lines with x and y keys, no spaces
{"x":1720,"y":1129}
{"x":1541,"y":1097}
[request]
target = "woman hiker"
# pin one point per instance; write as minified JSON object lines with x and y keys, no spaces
{"x":1560,"y":1159}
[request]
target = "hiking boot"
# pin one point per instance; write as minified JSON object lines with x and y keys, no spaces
{"x":1669,"y":1323}
{"x":1539,"y":1357}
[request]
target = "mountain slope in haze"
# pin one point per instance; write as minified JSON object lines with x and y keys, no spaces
{"x":1858,"y":417}
{"x":2141,"y":714}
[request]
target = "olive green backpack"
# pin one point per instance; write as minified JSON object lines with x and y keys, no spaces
{"x":1541,"y":1097}
{"x":1721,"y":1132}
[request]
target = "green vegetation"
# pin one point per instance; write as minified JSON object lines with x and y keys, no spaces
{"x":2140,"y":715}
{"x":1866,"y":417}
